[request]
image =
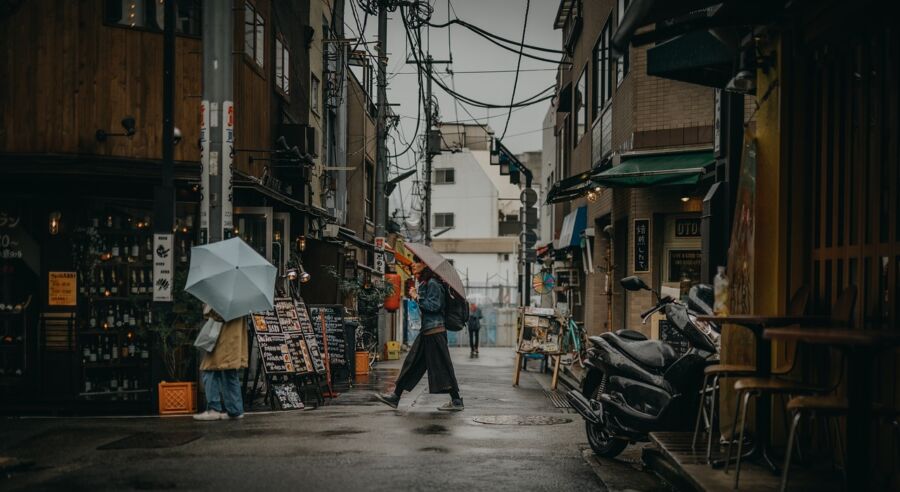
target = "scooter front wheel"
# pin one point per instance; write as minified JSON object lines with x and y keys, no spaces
{"x":602,"y":443}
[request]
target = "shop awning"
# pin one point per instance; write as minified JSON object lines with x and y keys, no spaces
{"x":572,"y":227}
{"x":697,"y":57}
{"x":244,"y":180}
{"x":569,"y":188}
{"x":656,"y":170}
{"x":350,"y":236}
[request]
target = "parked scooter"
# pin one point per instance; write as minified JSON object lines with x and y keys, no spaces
{"x":635,"y":386}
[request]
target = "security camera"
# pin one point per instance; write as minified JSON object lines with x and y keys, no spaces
{"x":176,"y":135}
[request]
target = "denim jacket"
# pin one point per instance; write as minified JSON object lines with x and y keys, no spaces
{"x":431,"y":303}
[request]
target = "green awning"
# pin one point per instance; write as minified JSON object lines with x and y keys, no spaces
{"x":656,"y":170}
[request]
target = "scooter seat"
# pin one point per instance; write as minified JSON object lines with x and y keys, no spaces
{"x":651,"y":353}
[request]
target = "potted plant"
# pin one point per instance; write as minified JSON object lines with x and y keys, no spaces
{"x":174,"y":328}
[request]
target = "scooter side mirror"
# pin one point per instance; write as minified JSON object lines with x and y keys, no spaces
{"x":633,"y":283}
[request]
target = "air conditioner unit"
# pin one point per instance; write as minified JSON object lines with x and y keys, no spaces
{"x":330,"y":230}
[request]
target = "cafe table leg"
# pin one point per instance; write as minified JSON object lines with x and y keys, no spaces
{"x":859,"y":399}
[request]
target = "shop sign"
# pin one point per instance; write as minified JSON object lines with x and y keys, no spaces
{"x":687,"y":227}
{"x":227,"y":153}
{"x":204,"y":170}
{"x":62,"y":288}
{"x":379,"y":243}
{"x":163,"y":272}
{"x":641,"y":245}
{"x":379,"y":261}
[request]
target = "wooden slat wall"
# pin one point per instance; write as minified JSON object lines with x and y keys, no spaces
{"x":853,"y":163}
{"x":66,"y":74}
{"x":252,"y":89}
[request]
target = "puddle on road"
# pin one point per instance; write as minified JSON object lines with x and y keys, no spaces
{"x":432,"y":430}
{"x":341,"y":432}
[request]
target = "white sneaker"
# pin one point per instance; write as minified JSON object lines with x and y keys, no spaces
{"x":210,"y":415}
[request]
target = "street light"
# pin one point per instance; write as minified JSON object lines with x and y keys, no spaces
{"x":127,"y":124}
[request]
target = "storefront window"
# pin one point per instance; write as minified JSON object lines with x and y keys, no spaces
{"x":254,"y":226}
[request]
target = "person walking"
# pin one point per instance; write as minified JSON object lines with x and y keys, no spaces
{"x":219,"y":370}
{"x":474,"y":326}
{"x":429,"y":352}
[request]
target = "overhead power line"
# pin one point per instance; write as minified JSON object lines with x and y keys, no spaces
{"x":518,"y":66}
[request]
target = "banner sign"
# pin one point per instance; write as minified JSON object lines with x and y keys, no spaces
{"x":163,"y":272}
{"x":227,"y":153}
{"x":204,"y":172}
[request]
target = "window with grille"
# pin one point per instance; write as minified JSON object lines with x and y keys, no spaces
{"x":444,"y":176}
{"x":622,"y":62}
{"x":443,"y":220}
{"x":601,"y":85}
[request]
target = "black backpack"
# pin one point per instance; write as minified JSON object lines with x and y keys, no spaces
{"x":456,"y":310}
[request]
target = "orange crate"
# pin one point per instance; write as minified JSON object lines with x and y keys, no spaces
{"x":177,"y":398}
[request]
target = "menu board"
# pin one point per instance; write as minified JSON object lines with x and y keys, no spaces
{"x":287,"y":396}
{"x":61,"y":289}
{"x":333,"y":317}
{"x":309,"y":335}
{"x":285,"y":345}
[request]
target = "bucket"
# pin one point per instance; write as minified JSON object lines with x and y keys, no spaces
{"x":362,"y":363}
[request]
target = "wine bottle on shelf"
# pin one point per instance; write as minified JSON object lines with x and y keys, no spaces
{"x":132,"y":284}
{"x":110,"y":317}
{"x":93,"y":356}
{"x":114,"y":349}
{"x":114,"y":382}
{"x":81,"y":284}
{"x":142,"y":285}
{"x":148,"y":250}
{"x":86,"y":353}
{"x":126,"y":317}
{"x":113,"y":282}
{"x":118,"y":318}
{"x":101,"y":282}
{"x":88,"y":387}
{"x":115,"y":249}
{"x":105,"y":349}
{"x":145,"y":351}
{"x":93,"y":319}
{"x":131,"y":348}
{"x":135,"y":248}
{"x":125,"y":384}
{"x":183,"y":257}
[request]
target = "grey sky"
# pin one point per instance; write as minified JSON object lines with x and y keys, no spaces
{"x":470,"y":52}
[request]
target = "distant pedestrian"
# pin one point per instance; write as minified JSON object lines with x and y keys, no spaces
{"x":474,"y":326}
{"x":429,"y":351}
{"x":219,"y":370}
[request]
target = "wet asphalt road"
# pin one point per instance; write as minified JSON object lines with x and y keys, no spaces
{"x":353,"y":443}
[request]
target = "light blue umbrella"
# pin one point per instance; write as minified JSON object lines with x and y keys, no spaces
{"x":232,"y":278}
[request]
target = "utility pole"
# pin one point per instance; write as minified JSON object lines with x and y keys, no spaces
{"x":381,"y":163}
{"x":217,"y":122}
{"x":428,"y":150}
{"x":381,"y":137}
{"x":165,"y":194}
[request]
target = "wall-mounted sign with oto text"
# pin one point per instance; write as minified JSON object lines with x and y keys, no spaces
{"x":641,"y":245}
{"x":689,"y":227}
{"x":163,"y":272}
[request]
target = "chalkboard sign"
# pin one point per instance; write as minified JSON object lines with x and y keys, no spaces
{"x":287,"y":396}
{"x":285,"y":345}
{"x":684,"y":263}
{"x":333,"y":317}
{"x":309,"y":335}
{"x":642,"y":245}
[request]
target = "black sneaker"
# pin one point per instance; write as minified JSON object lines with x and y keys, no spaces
{"x":453,"y":406}
{"x":389,"y":399}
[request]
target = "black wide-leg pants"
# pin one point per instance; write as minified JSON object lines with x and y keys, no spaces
{"x":429,"y":353}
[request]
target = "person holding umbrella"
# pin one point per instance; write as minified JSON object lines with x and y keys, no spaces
{"x":233,"y":280}
{"x":429,"y":353}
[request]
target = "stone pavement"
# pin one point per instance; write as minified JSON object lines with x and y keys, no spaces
{"x":352,"y":443}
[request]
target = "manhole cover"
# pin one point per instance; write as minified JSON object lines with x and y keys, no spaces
{"x":153,"y":440}
{"x":521,"y":420}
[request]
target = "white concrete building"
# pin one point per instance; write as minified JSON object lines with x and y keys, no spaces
{"x":475,"y":213}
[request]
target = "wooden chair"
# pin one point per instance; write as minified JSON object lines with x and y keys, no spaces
{"x":713,"y":373}
{"x":755,"y":386}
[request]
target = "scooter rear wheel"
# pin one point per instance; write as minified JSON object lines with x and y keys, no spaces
{"x":601,"y":441}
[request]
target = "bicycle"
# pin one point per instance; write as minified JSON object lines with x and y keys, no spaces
{"x":574,"y":340}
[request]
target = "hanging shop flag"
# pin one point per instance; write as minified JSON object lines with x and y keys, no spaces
{"x":163,"y":273}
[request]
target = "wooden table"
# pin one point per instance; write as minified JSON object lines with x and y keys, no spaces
{"x":553,"y":382}
{"x":861,"y":348}
{"x":757,"y":324}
